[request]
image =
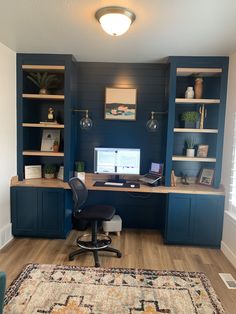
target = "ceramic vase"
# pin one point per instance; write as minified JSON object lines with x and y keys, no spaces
{"x":189,"y":92}
{"x":198,"y":88}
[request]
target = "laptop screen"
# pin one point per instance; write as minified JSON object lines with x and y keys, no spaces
{"x":156,"y":168}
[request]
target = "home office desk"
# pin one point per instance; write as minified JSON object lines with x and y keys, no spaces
{"x":187,"y":214}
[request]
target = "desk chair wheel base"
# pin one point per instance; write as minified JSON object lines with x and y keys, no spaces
{"x":94,"y":213}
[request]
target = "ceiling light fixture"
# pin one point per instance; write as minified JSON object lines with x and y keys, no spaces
{"x":115,"y":21}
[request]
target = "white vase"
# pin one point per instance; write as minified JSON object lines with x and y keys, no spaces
{"x":190,"y":152}
{"x":80,"y":175}
{"x":189,"y":92}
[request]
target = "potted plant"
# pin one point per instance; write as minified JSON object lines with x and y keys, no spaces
{"x":49,"y":171}
{"x":190,"y":151}
{"x":190,"y":118}
{"x":55,"y":146}
{"x":79,"y":170}
{"x":43,"y":81}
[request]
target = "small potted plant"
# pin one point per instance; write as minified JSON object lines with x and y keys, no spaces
{"x":190,"y":151}
{"x":55,"y":146}
{"x":189,"y":118}
{"x":43,"y":81}
{"x":49,"y":171}
{"x":79,"y":170}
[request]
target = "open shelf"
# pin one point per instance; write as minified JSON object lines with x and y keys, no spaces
{"x":185,"y":158}
{"x":39,"y":153}
{"x":40,"y":96}
{"x":185,"y":130}
{"x":198,"y":71}
{"x":196,"y":101}
{"x":43,"y":125}
{"x":38,"y":68}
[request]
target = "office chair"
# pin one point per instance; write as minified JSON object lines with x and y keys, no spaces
{"x":2,"y":290}
{"x":93,"y":214}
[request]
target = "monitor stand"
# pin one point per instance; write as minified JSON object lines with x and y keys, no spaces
{"x":117,"y":179}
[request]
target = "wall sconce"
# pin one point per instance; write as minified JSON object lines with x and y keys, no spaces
{"x":85,"y":123}
{"x":152,"y":125}
{"x":115,"y":21}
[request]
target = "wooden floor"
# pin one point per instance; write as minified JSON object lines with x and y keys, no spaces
{"x":140,"y":248}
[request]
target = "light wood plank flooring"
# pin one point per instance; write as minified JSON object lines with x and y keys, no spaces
{"x":140,"y":248}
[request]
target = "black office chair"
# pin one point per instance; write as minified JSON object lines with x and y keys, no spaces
{"x":94,"y":214}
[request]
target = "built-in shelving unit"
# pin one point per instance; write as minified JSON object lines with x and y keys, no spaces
{"x":40,"y":153}
{"x":33,"y":107}
{"x":186,"y":130}
{"x":43,"y":125}
{"x":39,"y":96}
{"x":183,"y":72}
{"x":185,"y":158}
{"x":197,"y":101}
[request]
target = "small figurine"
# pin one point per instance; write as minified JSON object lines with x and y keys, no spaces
{"x":51,"y":116}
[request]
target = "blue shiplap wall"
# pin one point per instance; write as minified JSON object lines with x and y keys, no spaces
{"x":150,"y":82}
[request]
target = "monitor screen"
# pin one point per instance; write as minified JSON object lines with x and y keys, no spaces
{"x":116,"y":160}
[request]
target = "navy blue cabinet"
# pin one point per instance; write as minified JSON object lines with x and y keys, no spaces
{"x":39,"y":212}
{"x":194,"y":219}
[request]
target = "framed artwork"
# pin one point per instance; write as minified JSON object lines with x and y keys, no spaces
{"x":202,"y":151}
{"x":206,"y":176}
{"x":49,"y":139}
{"x":120,"y":104}
{"x":33,"y":172}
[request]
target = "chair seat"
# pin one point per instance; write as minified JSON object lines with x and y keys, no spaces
{"x":97,"y":212}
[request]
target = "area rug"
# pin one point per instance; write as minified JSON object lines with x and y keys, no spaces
{"x":80,"y":290}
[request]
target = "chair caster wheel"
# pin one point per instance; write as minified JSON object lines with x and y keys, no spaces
{"x":97,"y":264}
{"x":119,"y":255}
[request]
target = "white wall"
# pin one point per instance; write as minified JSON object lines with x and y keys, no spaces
{"x":7,"y":137}
{"x":228,"y":244}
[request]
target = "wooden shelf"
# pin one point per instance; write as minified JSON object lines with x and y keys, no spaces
{"x":198,"y":71}
{"x":196,"y":101}
{"x":40,"y":96}
{"x":39,"y":153}
{"x":41,"y":68}
{"x":43,"y":125}
{"x":185,"y":158}
{"x":185,"y":130}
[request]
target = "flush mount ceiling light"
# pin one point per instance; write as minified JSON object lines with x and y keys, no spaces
{"x":115,"y":21}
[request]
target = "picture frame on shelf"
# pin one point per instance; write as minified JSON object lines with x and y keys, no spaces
{"x":206,"y":176}
{"x":202,"y":151}
{"x":48,"y":139}
{"x":33,"y":172}
{"x":60,"y":174}
{"x":120,"y":104}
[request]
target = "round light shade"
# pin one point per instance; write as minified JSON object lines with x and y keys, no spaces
{"x":115,"y":21}
{"x":86,"y":123}
{"x":152,"y":125}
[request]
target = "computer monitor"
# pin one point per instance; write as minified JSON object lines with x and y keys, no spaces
{"x":117,"y":161}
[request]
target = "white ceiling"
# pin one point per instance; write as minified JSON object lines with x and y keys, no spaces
{"x":162,"y":28}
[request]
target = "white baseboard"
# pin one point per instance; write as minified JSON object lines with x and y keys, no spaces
{"x":228,"y":253}
{"x":5,"y":235}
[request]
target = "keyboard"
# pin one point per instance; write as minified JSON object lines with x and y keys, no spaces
{"x":113,"y":184}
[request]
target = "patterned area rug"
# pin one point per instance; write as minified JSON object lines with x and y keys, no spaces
{"x":72,"y":289}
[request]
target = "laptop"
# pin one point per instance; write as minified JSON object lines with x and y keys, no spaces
{"x":154,"y":176}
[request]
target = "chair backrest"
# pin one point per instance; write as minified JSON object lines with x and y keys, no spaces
{"x":80,"y":193}
{"x":2,"y":290}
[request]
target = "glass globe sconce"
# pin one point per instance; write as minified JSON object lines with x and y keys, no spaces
{"x":152,"y":125}
{"x":86,"y":123}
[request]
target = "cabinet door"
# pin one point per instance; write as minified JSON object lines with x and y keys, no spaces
{"x":208,"y":213}
{"x":51,"y":214}
{"x":24,"y":208}
{"x":178,"y":219}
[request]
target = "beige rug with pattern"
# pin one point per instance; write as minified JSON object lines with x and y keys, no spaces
{"x":72,"y":289}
